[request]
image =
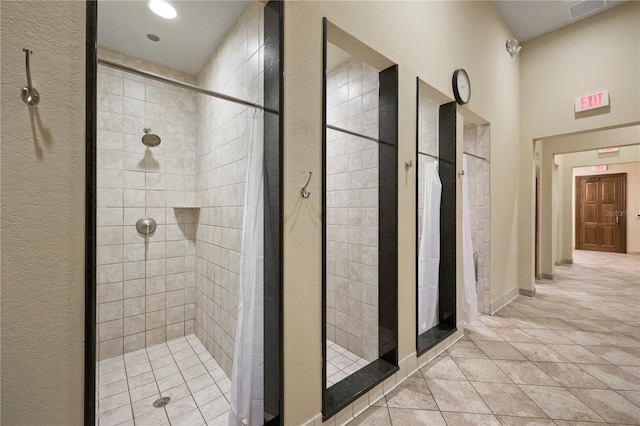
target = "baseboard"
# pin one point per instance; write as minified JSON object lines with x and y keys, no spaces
{"x":528,"y":293}
{"x":564,"y":262}
{"x":635,"y":253}
{"x":548,"y":276}
{"x":504,"y":300}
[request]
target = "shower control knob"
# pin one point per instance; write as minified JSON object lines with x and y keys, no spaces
{"x":146,"y":225}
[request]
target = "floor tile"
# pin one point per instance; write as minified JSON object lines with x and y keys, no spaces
{"x":190,"y":419}
{"x":578,"y":354}
{"x":613,"y":376}
{"x":213,"y":409}
{"x":373,"y":416}
{"x":584,"y":338}
{"x":514,"y":335}
{"x":470,"y":419}
{"x":144,"y":387}
{"x":524,"y":421}
{"x":482,"y":334}
{"x":465,"y":349}
{"x":558,"y":403}
{"x":453,"y":395}
{"x":500,"y":350}
{"x":547,"y":336}
{"x":570,"y":375}
{"x":616,"y":356}
{"x":525,"y":373}
{"x":481,"y":370}
{"x":155,"y":418}
{"x":633,"y":396}
{"x":495,"y":321}
{"x":181,"y":407}
{"x":538,"y":352}
{"x":507,"y":399}
{"x":112,"y":389}
{"x":442,"y":368}
{"x":412,"y":393}
{"x":609,"y":405}
{"x":401,"y":416}
{"x":115,"y":416}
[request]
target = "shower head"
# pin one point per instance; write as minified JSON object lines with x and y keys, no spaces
{"x":149,"y":139}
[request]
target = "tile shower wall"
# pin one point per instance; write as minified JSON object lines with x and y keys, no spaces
{"x":352,"y":209}
{"x":477,"y":141}
{"x":427,"y":143}
{"x":145,"y":289}
{"x":235,"y":69}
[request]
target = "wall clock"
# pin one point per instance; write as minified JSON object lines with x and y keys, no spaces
{"x":461,"y":86}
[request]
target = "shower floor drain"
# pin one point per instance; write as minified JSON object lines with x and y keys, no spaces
{"x":161,"y":402}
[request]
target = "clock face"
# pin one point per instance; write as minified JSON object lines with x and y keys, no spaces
{"x":461,"y":86}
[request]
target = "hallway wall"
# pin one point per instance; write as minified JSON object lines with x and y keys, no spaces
{"x":555,"y":69}
{"x":550,"y":225}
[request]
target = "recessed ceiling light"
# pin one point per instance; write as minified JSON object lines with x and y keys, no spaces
{"x":162,"y":9}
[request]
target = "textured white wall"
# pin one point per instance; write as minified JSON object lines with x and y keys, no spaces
{"x":43,"y":214}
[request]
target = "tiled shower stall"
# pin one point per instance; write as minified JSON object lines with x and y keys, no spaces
{"x":477,"y":140}
{"x":183,"y":279}
{"x":352,"y":209}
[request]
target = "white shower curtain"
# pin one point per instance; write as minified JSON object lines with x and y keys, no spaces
{"x":247,"y":376}
{"x":429,"y":254}
{"x":468,"y":265}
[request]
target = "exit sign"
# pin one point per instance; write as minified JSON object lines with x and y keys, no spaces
{"x":599,"y":168}
{"x":592,"y":101}
{"x":608,"y":150}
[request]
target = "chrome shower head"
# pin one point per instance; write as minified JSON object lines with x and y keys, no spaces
{"x":150,"y":139}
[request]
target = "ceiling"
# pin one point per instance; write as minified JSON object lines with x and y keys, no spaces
{"x":186,"y":42}
{"x":530,"y":19}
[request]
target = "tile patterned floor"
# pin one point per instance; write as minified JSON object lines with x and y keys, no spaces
{"x":341,"y":363}
{"x":568,"y":356}
{"x":181,"y":369}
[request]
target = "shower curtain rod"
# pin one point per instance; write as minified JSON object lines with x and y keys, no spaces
{"x":476,"y":156}
{"x":436,"y":157}
{"x":464,"y":152}
{"x":349,"y":132}
{"x":182,"y":85}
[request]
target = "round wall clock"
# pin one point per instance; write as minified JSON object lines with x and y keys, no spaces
{"x":461,"y":86}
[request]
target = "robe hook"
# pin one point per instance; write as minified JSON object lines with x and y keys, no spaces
{"x":30,"y":95}
{"x":303,"y":191}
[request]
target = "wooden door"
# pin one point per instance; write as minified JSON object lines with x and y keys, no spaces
{"x":600,"y":213}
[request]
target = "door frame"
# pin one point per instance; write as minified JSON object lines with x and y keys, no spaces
{"x":623,"y":222}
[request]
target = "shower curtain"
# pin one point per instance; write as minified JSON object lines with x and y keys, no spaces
{"x":247,"y":376}
{"x":468,"y":265}
{"x":429,"y":254}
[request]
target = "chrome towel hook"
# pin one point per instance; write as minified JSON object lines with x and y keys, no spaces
{"x":30,"y":95}
{"x":303,"y":191}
